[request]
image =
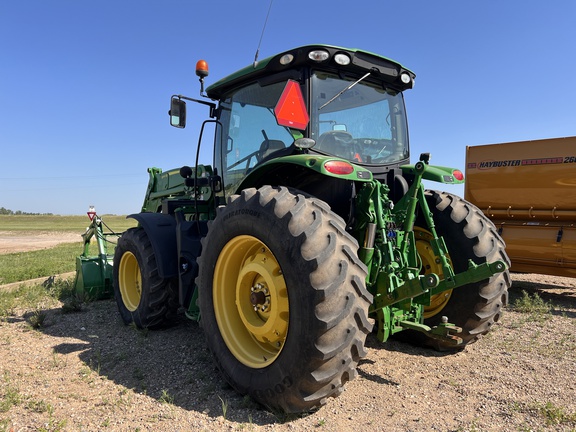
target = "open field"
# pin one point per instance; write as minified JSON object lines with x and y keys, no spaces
{"x":55,"y":223}
{"x":70,"y":366}
{"x":22,"y":233}
{"x":36,"y":246}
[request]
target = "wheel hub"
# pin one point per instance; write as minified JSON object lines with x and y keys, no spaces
{"x":251,"y":301}
{"x":431,"y":264}
{"x":260,"y":297}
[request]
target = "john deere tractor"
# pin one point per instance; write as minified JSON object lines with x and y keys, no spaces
{"x":310,"y":230}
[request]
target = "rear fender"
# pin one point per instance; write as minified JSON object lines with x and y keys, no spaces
{"x":435,"y":173}
{"x":314,"y":163}
{"x":161,"y":230}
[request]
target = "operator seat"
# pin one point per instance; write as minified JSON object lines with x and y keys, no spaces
{"x":268,"y":147}
{"x":337,"y":143}
{"x":327,"y":143}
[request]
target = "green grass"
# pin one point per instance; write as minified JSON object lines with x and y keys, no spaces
{"x":42,"y":263}
{"x":556,"y":415}
{"x":17,"y":267}
{"x":166,"y":398}
{"x":10,"y":394}
{"x":534,"y":306}
{"x":60,"y":223}
{"x":224,"y":407}
{"x":35,"y":298}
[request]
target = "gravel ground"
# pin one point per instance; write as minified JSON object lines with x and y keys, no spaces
{"x":86,"y":371}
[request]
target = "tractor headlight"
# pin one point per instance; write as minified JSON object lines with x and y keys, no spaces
{"x":342,"y":59}
{"x":286,"y":59}
{"x":304,"y":143}
{"x":318,"y":55}
{"x":405,"y":78}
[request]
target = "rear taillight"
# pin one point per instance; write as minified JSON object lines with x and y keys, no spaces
{"x":339,"y":167}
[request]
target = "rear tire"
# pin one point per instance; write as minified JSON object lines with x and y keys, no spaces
{"x":289,"y":257}
{"x":143,"y":298}
{"x":468,"y":234}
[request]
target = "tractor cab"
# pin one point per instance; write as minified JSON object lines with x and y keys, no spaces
{"x":324,"y":101}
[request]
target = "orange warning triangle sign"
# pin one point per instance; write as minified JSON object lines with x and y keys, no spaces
{"x":290,"y":110}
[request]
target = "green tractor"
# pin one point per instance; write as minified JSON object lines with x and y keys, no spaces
{"x":310,"y":229}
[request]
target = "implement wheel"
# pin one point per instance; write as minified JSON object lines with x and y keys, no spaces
{"x":468,"y":234}
{"x":143,"y":298}
{"x":282,"y":298}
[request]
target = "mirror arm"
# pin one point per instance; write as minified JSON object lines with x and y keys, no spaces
{"x":210,"y":104}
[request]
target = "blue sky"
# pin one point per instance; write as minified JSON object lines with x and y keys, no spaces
{"x":85,"y":86}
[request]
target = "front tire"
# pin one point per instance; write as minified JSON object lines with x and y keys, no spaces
{"x":143,"y":297}
{"x":282,"y":298}
{"x":468,"y":234}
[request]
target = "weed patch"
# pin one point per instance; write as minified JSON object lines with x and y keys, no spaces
{"x":537,"y":309}
{"x":10,"y":394}
{"x":166,"y":398}
{"x":555,"y":415}
{"x":34,"y":298}
{"x":38,"y":319}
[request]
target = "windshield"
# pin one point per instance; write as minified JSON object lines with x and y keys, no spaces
{"x":365,"y":123}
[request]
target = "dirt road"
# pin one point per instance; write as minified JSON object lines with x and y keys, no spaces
{"x":26,"y":241}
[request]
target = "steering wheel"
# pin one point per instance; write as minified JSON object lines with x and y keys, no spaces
{"x":384,"y":147}
{"x":335,"y":142}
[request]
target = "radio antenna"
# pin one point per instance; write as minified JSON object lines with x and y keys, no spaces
{"x":262,"y":35}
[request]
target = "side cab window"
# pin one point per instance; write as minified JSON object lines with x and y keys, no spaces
{"x":249,"y":128}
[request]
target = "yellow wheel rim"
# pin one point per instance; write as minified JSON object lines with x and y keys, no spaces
{"x":130,"y":281}
{"x":431,"y":264}
{"x":250,"y":301}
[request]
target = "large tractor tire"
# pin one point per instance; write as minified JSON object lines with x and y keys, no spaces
{"x":143,"y":298}
{"x":282,"y":298}
{"x":468,"y":234}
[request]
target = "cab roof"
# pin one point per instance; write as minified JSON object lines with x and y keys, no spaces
{"x":360,"y":62}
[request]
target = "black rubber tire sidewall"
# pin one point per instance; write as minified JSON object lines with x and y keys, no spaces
{"x":469,"y":234}
{"x":158,"y":302}
{"x":327,"y":325}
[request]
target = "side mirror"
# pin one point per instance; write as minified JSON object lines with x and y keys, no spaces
{"x":177,"y":112}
